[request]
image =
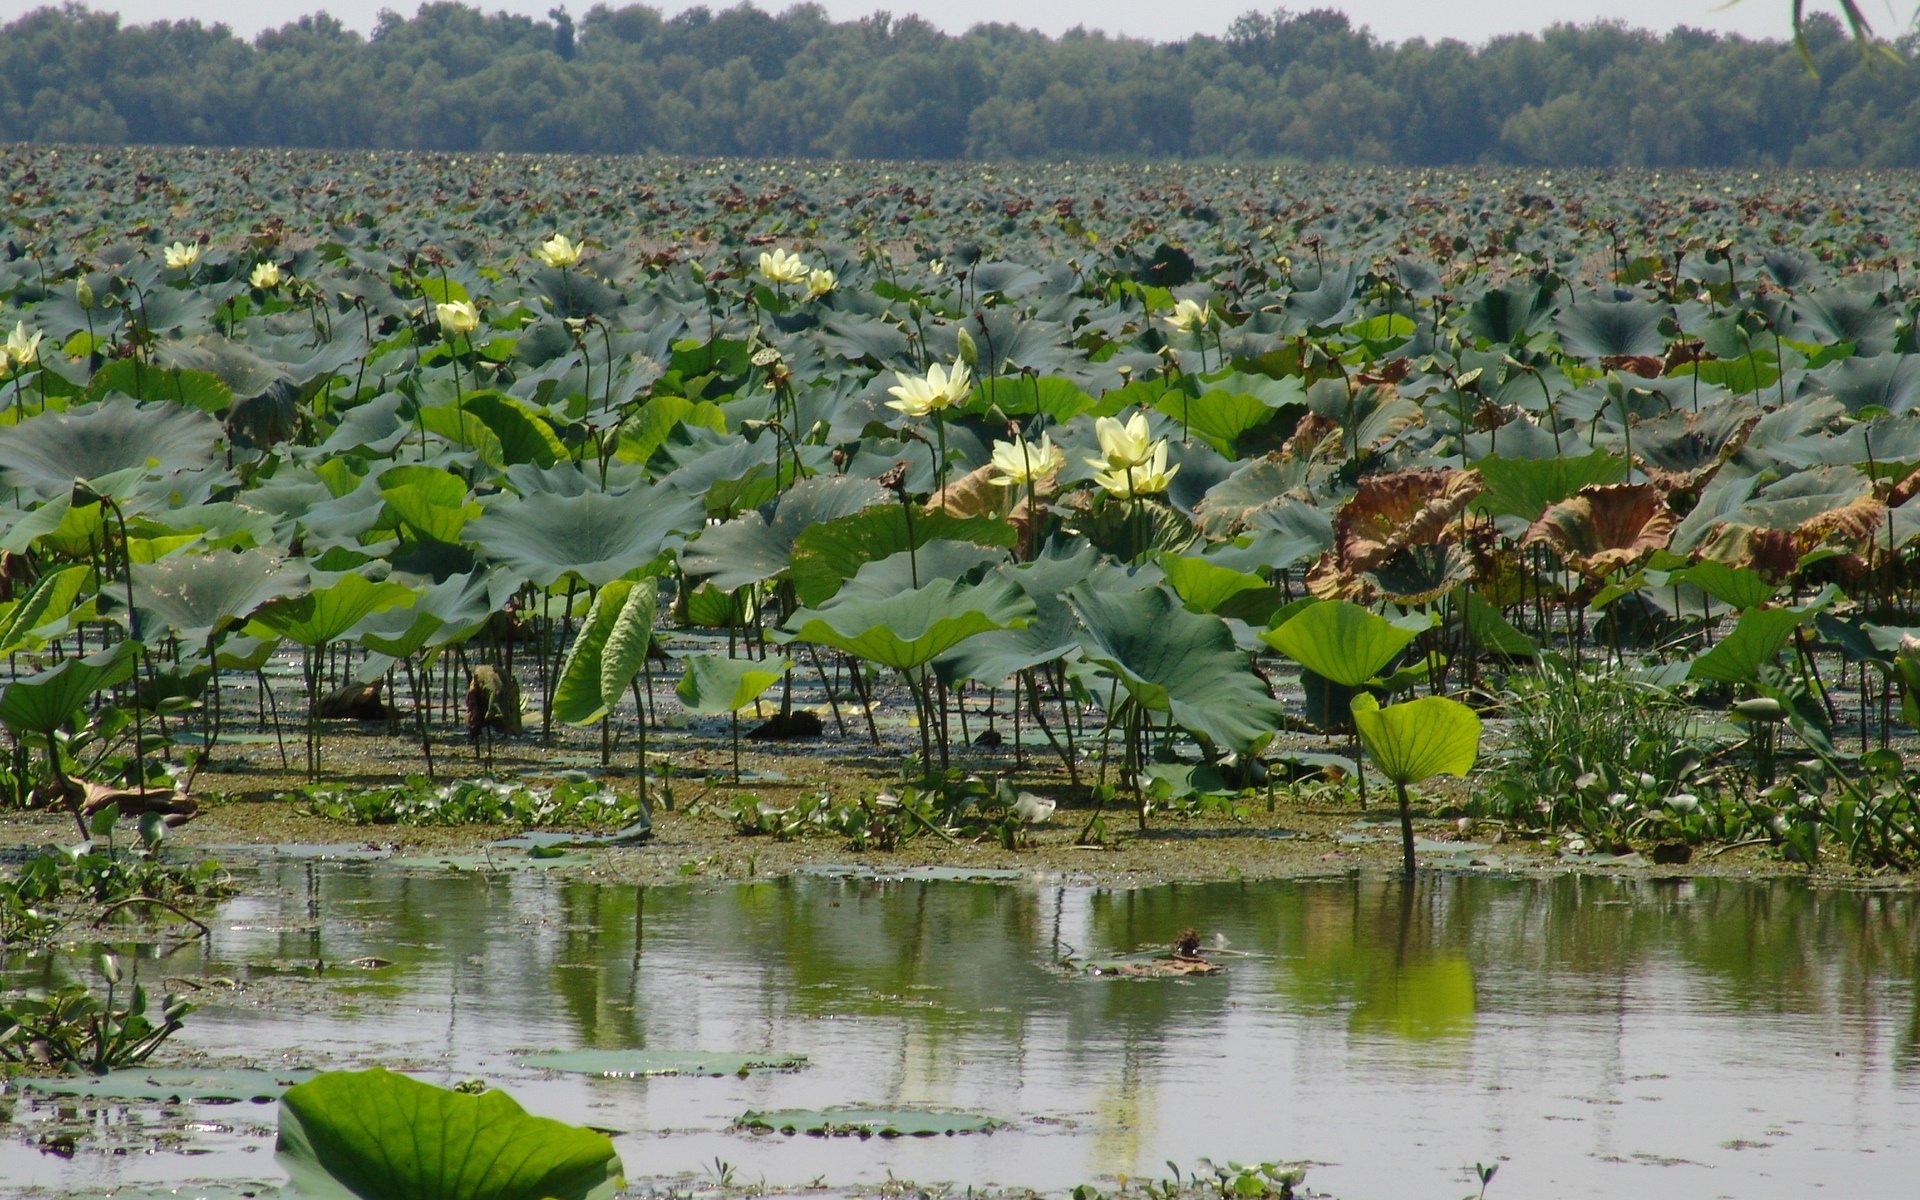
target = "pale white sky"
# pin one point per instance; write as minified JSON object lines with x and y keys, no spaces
{"x":1390,"y":20}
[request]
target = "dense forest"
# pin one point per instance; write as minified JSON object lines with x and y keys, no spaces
{"x":1291,"y":86}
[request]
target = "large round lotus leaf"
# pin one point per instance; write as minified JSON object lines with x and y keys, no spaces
{"x":598,"y":536}
{"x":196,"y":595}
{"x":633,"y":1064}
{"x":1418,"y":739}
{"x":375,"y":1135}
{"x":49,"y":451}
{"x":143,"y":1084}
{"x":866,"y":1122}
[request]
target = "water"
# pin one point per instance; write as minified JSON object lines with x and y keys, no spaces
{"x":1597,"y":1037}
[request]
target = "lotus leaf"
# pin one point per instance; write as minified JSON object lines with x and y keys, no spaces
{"x":1341,"y":641}
{"x":174,"y":1085}
{"x":376,"y":1135}
{"x":93,"y":442}
{"x":715,"y":684}
{"x":1596,"y":328}
{"x":608,"y":652}
{"x":1414,"y":741}
{"x":757,"y":546}
{"x":199,"y":596}
{"x":1177,"y":662}
{"x":42,"y":702}
{"x":828,"y":554}
{"x":915,"y":627}
{"x":597,"y":536}
{"x":1601,"y":529}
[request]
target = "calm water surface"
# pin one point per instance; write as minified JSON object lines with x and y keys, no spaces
{"x":1598,"y":1037}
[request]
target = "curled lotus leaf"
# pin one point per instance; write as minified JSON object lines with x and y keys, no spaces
{"x":47,"y":452}
{"x":1421,"y":574}
{"x":1599,"y":529}
{"x":1399,"y":509}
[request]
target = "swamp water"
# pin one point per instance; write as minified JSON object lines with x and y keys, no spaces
{"x":1596,"y":1036}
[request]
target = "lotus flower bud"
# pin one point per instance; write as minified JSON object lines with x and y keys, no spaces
{"x":969,"y":349}
{"x":83,"y":293}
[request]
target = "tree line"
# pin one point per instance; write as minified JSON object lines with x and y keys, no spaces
{"x":1275,"y":86}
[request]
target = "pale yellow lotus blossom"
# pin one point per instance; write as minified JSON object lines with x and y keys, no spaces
{"x":1021,"y":462}
{"x":6,"y":364}
{"x":457,"y":316}
{"x":820,"y":282}
{"x":265,"y":276}
{"x":558,"y":251}
{"x":182,"y":255}
{"x":1141,"y":479}
{"x":781,"y":267}
{"x":1121,"y":446}
{"x":23,"y":351}
{"x":920,"y":396}
{"x":1190,"y":315}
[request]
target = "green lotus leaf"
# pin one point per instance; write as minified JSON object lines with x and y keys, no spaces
{"x":1513,"y":313}
{"x":171,"y":1084}
{"x":714,"y":683}
{"x":828,"y":554}
{"x":1177,"y":662}
{"x":432,"y":502}
{"x":326,"y":614}
{"x":42,"y":614}
{"x":1418,"y":739}
{"x":1596,"y":328}
{"x":198,"y":596}
{"x":757,"y":546}
{"x":47,"y":452}
{"x":608,"y":652}
{"x":1525,"y":487}
{"x":376,"y":1135}
{"x":1341,"y":641}
{"x":1205,"y":586}
{"x":597,"y":536}
{"x":914,"y":627}
{"x":43,"y":702}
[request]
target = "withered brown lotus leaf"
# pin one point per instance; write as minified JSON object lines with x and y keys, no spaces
{"x":1601,"y":528}
{"x":1852,"y":525}
{"x":1326,"y":581}
{"x":1309,"y":435}
{"x":1646,"y":366}
{"x":1421,"y":574}
{"x":973,"y":495}
{"x":1399,"y":509}
{"x":1770,"y":552}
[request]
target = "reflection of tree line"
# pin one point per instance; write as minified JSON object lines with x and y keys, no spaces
{"x":976,"y":963}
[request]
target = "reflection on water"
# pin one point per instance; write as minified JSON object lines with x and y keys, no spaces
{"x":1600,"y":1037}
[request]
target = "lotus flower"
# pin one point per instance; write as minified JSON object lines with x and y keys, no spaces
{"x":820,"y":282}
{"x":558,"y":251}
{"x":265,"y":276}
{"x":1139,"y":479}
{"x":1021,"y":462}
{"x":458,"y":316}
{"x":182,"y":255}
{"x":922,"y":396}
{"x":1121,"y":446}
{"x":781,"y":267}
{"x":1189,"y":315}
{"x":24,"y":351}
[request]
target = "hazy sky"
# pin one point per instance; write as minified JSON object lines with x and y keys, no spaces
{"x":1390,"y":20}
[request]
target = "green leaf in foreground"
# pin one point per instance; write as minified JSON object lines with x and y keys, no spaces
{"x":636,"y":1064}
{"x":866,"y":1122}
{"x":717,"y":684}
{"x":913,"y":628}
{"x":375,"y":1135}
{"x":1415,"y":741}
{"x":608,"y":653}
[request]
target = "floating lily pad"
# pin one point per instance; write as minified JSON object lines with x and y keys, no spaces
{"x":232,"y":1086}
{"x":867,"y":1122}
{"x":512,"y":859}
{"x":920,"y":874}
{"x":635,"y":1064}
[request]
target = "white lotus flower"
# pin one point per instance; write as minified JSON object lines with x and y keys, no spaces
{"x":1122,"y":445}
{"x":1189,"y":315}
{"x":265,"y":276}
{"x":1021,"y":462}
{"x":1139,"y":479}
{"x":182,"y":255}
{"x":820,"y":282}
{"x":558,"y":251}
{"x":919,"y":396}
{"x":24,"y":351}
{"x":457,"y":316}
{"x":781,"y":267}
